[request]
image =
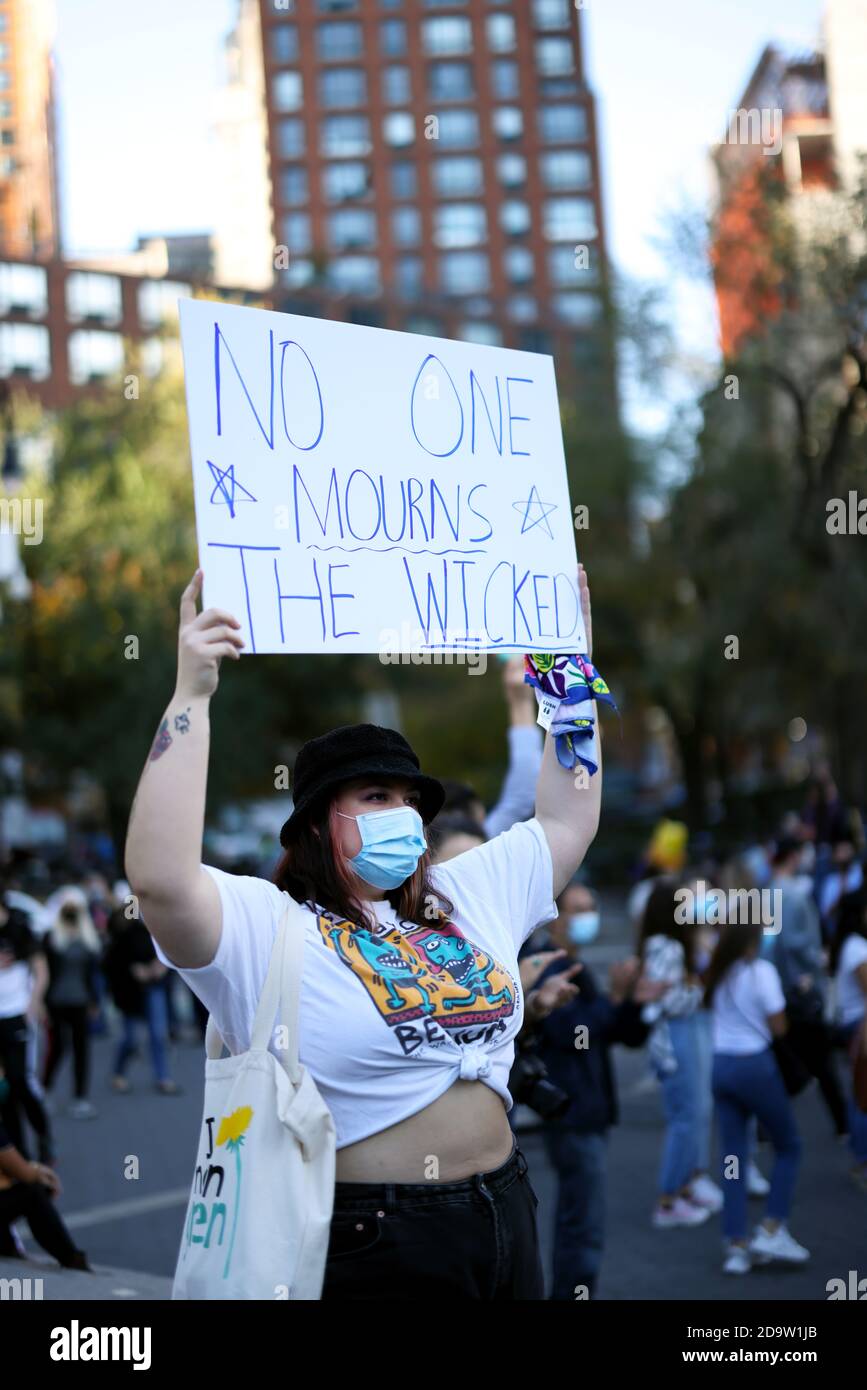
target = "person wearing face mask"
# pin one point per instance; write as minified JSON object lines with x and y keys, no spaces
{"x":73,"y":951}
{"x":573,"y":1042}
{"x":410,"y":998}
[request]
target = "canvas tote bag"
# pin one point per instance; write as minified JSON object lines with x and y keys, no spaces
{"x":259,"y":1214}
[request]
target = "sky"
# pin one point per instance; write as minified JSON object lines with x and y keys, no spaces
{"x":137,"y":84}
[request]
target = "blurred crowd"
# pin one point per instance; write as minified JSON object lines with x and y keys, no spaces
{"x":744,"y":981}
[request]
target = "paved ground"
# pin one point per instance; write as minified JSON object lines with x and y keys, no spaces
{"x":126,"y":1176}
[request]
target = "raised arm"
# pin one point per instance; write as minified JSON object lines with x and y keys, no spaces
{"x":179,"y":902}
{"x":567,"y":810}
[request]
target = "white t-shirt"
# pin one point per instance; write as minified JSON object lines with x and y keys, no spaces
{"x":851,"y":1001}
{"x":389,"y":1019}
{"x":741,"y":1003}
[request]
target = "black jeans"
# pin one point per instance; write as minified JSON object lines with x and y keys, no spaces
{"x":69,"y":1020}
{"x":35,"y":1203}
{"x":13,"y":1055}
{"x":477,"y":1237}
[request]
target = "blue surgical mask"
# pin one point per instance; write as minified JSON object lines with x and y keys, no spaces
{"x":583,"y":927}
{"x":392,"y":842}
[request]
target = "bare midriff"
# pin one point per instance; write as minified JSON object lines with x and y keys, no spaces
{"x":464,"y":1132}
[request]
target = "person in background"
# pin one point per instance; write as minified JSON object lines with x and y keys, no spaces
{"x":845,"y":875}
{"x":666,"y":952}
{"x":27,"y":1189}
{"x":73,"y":951}
{"x":796,"y":951}
{"x":665,"y":855}
{"x":702,"y":1187}
{"x":135,"y":978}
{"x":576,"y":1141}
{"x":748,"y":1005}
{"x":849,"y":961}
{"x":526,"y":741}
{"x":23,"y":980}
{"x":451,"y":835}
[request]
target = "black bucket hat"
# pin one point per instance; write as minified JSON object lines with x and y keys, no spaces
{"x":354,"y":750}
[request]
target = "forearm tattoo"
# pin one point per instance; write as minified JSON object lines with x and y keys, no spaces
{"x":163,"y":740}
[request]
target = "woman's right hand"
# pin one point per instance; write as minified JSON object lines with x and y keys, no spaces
{"x":203,"y":639}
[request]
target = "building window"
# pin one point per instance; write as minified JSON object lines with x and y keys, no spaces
{"x":559,"y":87}
{"x":90,"y":296}
{"x":552,"y":14}
{"x":296,"y":231}
{"x":566,"y":169}
{"x":6,"y":110}
{"x":336,"y":6}
{"x":297,"y":274}
{"x":562,"y":125}
{"x":284,"y":43}
{"x":501,"y":33}
{"x":464,"y":272}
{"x":398,"y":128}
{"x":450,"y":82}
{"x":408,"y":276}
{"x":94,"y":356}
{"x":460,"y":224}
{"x":406,"y":226}
{"x":518,"y":265}
{"x":508,"y":122}
{"x":458,"y":129}
{"x":25,"y":348}
{"x":555,"y":57}
{"x":7,"y":137}
{"x":505,"y":80}
{"x":404,"y":180}
{"x":392,"y":37}
{"x":354,"y":275}
{"x":352,"y":229}
{"x":5,"y":79}
{"x":288,"y":91}
{"x":396,"y":85}
{"x":342,"y":182}
{"x":426,"y":324}
{"x":579,"y":310}
{"x":158,"y":302}
{"x":522,"y":308}
{"x":342,"y":87}
{"x":344,"y":136}
{"x":290,"y":137}
{"x":294,"y":186}
{"x":512,"y":170}
{"x":342,"y":39}
{"x":515,"y":217}
{"x":481,"y":333}
{"x":23,"y":290}
{"x":449,"y":34}
{"x":457,"y":176}
{"x":569,"y":219}
{"x":535,"y":340}
{"x":562,"y":269}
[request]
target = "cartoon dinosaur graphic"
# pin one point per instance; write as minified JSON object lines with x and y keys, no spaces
{"x":455,"y":955}
{"x":390,"y":968}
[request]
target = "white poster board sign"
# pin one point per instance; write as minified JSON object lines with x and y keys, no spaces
{"x":360,"y":490}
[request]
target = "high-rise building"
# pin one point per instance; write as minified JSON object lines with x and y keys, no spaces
{"x":29,"y":219}
{"x":434,"y":165}
{"x":243,"y":243}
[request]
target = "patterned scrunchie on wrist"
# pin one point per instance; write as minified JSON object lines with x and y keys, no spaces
{"x":564,"y":683}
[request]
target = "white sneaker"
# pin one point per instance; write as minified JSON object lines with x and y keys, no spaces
{"x":777,"y":1246}
{"x":737,"y":1260}
{"x":703,"y":1192}
{"x":680,"y":1213}
{"x":82,"y":1110}
{"x":757,"y":1185}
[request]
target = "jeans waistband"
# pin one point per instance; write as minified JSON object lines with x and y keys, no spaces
{"x":394,"y":1194}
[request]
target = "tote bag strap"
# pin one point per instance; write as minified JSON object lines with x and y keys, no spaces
{"x":281,"y":990}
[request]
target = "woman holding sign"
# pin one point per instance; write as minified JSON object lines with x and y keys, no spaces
{"x":410,"y":997}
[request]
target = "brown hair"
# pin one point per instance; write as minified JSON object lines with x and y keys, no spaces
{"x":313,"y":871}
{"x":735,"y":942}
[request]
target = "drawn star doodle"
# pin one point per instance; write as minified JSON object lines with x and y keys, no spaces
{"x":230,"y":499}
{"x":544,"y":509}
